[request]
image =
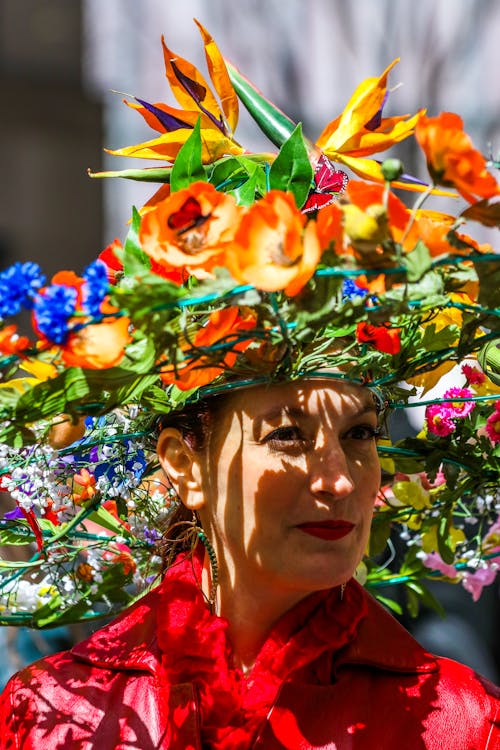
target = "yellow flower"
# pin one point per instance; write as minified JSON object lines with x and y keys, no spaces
{"x":413,"y":494}
{"x":361,"y":130}
{"x":430,"y":539}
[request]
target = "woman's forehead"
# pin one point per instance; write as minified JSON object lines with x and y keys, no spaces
{"x":303,"y":397}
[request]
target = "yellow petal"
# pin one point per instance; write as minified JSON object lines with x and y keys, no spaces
{"x":20,"y":384}
{"x":166,"y":147}
{"x":374,"y":141}
{"x":220,"y":78}
{"x":40,"y":370}
{"x":364,"y":104}
{"x":188,"y":69}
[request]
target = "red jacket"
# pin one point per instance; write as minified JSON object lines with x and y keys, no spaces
{"x":386,"y":692}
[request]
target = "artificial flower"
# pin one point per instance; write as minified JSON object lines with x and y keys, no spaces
{"x":97,"y":346}
{"x":361,"y":130}
{"x":11,"y":342}
{"x":457,"y":408}
{"x":493,"y":424}
{"x":475,"y":582}
{"x":439,"y":420}
{"x":190,"y":230}
{"x":275,"y":247}
{"x":84,"y":485}
{"x":452,"y":159}
{"x":198,"y":102}
{"x":474,"y":375}
{"x":224,"y":327}
{"x":18,"y":286}
{"x":434,"y":561}
{"x":383,"y":338}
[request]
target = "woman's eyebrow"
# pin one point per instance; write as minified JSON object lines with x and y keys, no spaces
{"x":279,"y":411}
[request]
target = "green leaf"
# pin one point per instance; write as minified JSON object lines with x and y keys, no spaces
{"x":188,"y":166}
{"x":417,"y":262}
{"x":380,"y":531}
{"x":271,"y":120}
{"x":444,"y":542}
{"x":52,"y":396}
{"x":135,"y":259}
{"x":15,"y":533}
{"x":105,"y":519}
{"x":291,"y":171}
{"x":245,"y":194}
{"x":390,"y":604}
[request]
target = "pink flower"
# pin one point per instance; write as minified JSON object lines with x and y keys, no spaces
{"x":434,"y":561}
{"x":493,"y":424}
{"x":473,"y":374}
{"x":439,"y":419}
{"x":459,"y":408}
{"x":475,"y":582}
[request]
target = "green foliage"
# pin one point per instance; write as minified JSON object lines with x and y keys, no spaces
{"x":188,"y":166}
{"x":291,"y":171}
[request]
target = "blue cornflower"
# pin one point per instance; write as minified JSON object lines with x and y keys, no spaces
{"x":53,"y":309}
{"x":18,"y":285}
{"x":350,"y":289}
{"x":95,"y":287}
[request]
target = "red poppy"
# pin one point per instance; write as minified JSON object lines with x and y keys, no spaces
{"x":383,"y":338}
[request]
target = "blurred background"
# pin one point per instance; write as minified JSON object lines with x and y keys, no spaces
{"x":62,"y":60}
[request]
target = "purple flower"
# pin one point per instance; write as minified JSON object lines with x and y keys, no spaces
{"x":13,"y":515}
{"x":95,"y":288}
{"x":18,"y":285}
{"x":53,"y":309}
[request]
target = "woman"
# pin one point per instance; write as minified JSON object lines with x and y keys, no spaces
{"x":298,"y":656}
{"x":260,"y":333}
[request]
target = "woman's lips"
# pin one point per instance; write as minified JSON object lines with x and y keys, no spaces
{"x":327,"y":529}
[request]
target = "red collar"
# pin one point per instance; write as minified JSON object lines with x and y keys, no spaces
{"x":130,"y":642}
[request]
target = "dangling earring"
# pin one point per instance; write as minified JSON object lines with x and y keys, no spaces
{"x":214,"y":569}
{"x":342,"y":589}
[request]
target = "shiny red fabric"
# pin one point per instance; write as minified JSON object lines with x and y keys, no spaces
{"x":120,"y":690}
{"x":195,"y":649}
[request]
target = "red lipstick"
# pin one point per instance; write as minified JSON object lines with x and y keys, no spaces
{"x":328,"y":530}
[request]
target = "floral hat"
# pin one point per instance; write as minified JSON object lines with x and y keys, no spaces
{"x":247,"y":268}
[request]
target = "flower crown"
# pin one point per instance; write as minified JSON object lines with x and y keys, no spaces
{"x":249,"y":268}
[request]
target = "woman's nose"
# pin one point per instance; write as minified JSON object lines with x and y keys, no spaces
{"x":331,"y":475}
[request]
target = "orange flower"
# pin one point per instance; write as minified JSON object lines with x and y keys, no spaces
{"x":97,"y":346}
{"x":272,"y":250}
{"x":85,"y":572}
{"x":11,"y":342}
{"x":190,"y":229}
{"x":224,"y":326}
{"x":451,"y":157}
{"x":329,"y":227}
{"x":85,"y":486}
{"x":126,"y":560}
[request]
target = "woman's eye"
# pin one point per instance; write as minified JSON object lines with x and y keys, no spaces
{"x":363,"y":432}
{"x":284,"y":437}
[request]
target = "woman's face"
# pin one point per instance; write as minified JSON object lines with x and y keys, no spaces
{"x":288,"y":483}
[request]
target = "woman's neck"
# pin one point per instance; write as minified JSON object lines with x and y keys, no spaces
{"x":252,"y":610}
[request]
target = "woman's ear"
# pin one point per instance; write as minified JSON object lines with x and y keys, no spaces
{"x":182,"y":466}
